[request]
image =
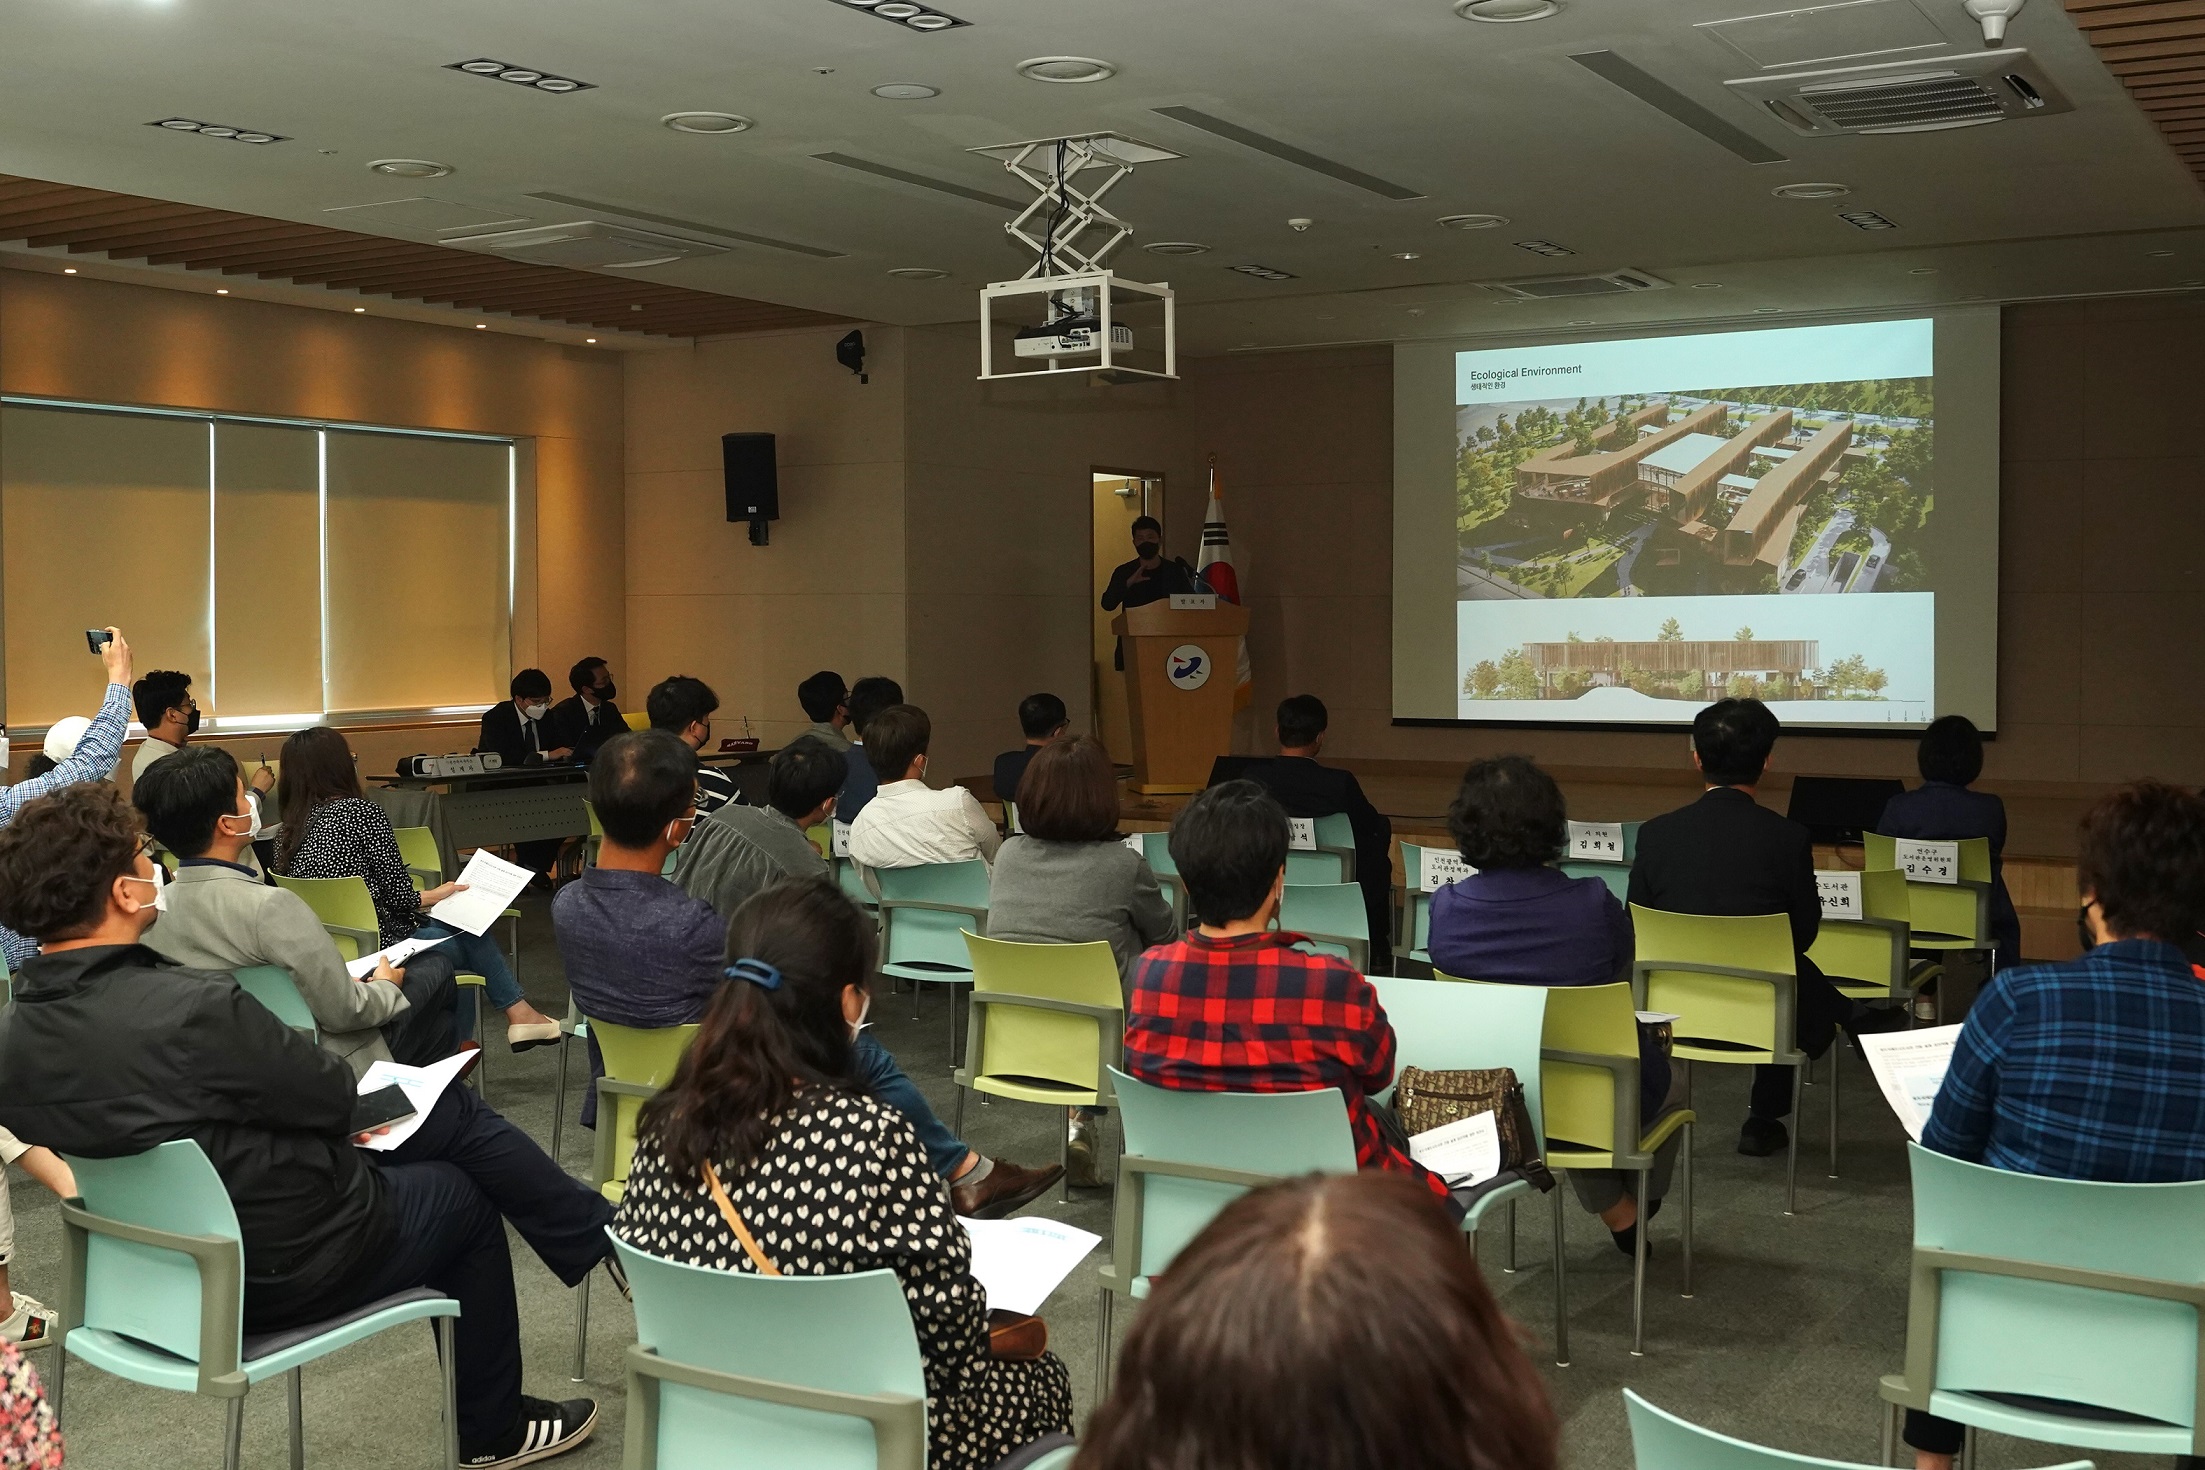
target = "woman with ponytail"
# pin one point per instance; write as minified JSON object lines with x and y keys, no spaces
{"x":763,"y":1124}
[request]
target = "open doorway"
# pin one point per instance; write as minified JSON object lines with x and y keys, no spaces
{"x":1120,"y":497}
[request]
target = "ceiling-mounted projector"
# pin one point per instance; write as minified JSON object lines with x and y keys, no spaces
{"x":1071,"y":336}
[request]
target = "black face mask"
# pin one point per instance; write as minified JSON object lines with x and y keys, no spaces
{"x":1148,"y":550}
{"x":191,"y":726}
{"x":2082,"y":928}
{"x":603,"y":693}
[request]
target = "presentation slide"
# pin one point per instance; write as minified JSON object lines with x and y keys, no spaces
{"x":1636,"y":527}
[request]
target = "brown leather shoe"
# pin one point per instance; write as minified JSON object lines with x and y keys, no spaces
{"x":1007,"y":1187}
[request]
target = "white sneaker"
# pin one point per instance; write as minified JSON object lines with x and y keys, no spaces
{"x":31,"y":1325}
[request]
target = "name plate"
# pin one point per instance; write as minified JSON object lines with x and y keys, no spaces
{"x":1596,"y":842}
{"x":1135,"y":844}
{"x":1441,"y":867}
{"x":1194,"y":602}
{"x":1840,"y":894}
{"x":1927,"y":862}
{"x":842,"y":839}
{"x":1301,"y":834}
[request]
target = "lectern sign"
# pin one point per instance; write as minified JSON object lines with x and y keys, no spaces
{"x":1188,"y":666}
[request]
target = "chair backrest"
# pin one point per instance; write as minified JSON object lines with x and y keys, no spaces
{"x":852,"y":883}
{"x":1662,"y":1441}
{"x":417,"y":849}
{"x":1156,"y":847}
{"x":1279,"y":1134}
{"x":342,"y":903}
{"x":1309,"y":869}
{"x":931,"y":936}
{"x":1855,"y":955}
{"x":150,"y":1292}
{"x":1416,"y":904}
{"x":2083,"y":1344}
{"x":1597,"y":1020}
{"x":1445,"y":1025}
{"x":1616,"y":875}
{"x":1327,"y":911}
{"x":1975,"y":855}
{"x":843,"y":1335}
{"x":1724,"y":1008}
{"x":646,"y":1056}
{"x":1031,"y":1041}
{"x":274,"y":988}
{"x":637,"y":719}
{"x":1010,"y":817}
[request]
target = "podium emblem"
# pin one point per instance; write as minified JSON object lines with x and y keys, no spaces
{"x":1189,"y":666}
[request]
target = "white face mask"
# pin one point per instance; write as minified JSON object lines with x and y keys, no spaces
{"x":535,"y":711}
{"x":159,"y":880}
{"x":864,"y":1010}
{"x":251,"y":817}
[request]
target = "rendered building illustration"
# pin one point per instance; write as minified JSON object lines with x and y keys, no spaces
{"x":1676,"y":668}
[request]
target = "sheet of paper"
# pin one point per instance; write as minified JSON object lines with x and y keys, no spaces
{"x":1927,"y":862}
{"x":423,"y":1085}
{"x":1596,"y":842}
{"x":1301,"y":834}
{"x":1021,"y":1261}
{"x":1466,"y":1151}
{"x":1840,"y":894}
{"x":397,"y":954}
{"x":842,"y":839}
{"x":1657,"y":1018}
{"x":1442,"y":867}
{"x":1910,"y":1066}
{"x":492,"y":885}
{"x":1136,"y":845}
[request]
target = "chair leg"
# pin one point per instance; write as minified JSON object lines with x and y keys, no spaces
{"x":1561,"y":1287}
{"x":559,"y":1097}
{"x":581,"y":1328}
{"x":957,"y":1115}
{"x":1791,"y":1151}
{"x":1102,"y":1344}
{"x":952,"y":993}
{"x":1967,"y":1448}
{"x":914,"y":1000}
{"x":1064,"y":1148}
{"x":479,"y":1076}
{"x":296,"y":1394}
{"x":233,"y":1435}
{"x":61,"y":1361}
{"x":451,"y":1393}
{"x":1510,"y":1268}
{"x":1688,"y":1164}
{"x":1837,"y":1065}
{"x":1889,"y":1440}
{"x":1638,"y":1268}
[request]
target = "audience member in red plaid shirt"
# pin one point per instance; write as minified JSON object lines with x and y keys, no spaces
{"x":1233,"y":1007}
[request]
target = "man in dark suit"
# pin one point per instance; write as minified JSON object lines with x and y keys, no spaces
{"x":1041,"y":718}
{"x":589,"y":717}
{"x":1307,"y":789}
{"x":1728,"y":854}
{"x":515,"y":730}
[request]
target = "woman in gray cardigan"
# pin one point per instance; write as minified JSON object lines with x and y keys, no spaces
{"x":1068,"y":878}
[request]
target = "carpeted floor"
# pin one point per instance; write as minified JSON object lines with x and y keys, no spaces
{"x":1793,"y":1321}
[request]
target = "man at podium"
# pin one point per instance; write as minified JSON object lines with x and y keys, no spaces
{"x":1148,"y":577}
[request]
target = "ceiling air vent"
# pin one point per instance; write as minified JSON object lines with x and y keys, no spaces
{"x":1958,"y":91}
{"x":586,"y":244}
{"x":1550,"y":288}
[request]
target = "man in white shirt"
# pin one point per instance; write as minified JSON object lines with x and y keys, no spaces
{"x":168,"y":712}
{"x":908,"y":823}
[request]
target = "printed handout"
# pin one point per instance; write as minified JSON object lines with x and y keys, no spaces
{"x":397,"y":954}
{"x":1466,"y":1151}
{"x":423,"y":1085}
{"x":1910,"y":1067}
{"x":491,"y":885}
{"x":1021,"y":1261}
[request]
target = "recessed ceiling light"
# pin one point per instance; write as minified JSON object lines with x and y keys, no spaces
{"x":1263,"y":272}
{"x":707,"y":122}
{"x":905,"y":14}
{"x":1923,"y":270}
{"x":906,"y":91}
{"x":1865,"y":219}
{"x":482,"y":326}
{"x":68,"y":270}
{"x":1472,"y":221}
{"x":917,"y":273}
{"x":1582,"y":322}
{"x":930,"y":21}
{"x":1066,"y":69}
{"x":1767,"y":310}
{"x":410,"y":168}
{"x":519,"y":76}
{"x":221,"y":290}
{"x":1176,"y":247}
{"x":1545,"y":247}
{"x":2161,"y":254}
{"x":1707,"y":285}
{"x":358,"y":309}
{"x":1407,"y":255}
{"x":1504,"y":12}
{"x":1811,"y":191}
{"x":589,"y":339}
{"x":217,"y":130}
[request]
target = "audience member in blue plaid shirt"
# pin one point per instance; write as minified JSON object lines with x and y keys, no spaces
{"x":2093,"y":1068}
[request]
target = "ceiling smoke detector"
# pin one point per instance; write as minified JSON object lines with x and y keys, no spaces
{"x":1811,"y":191}
{"x":410,"y":168}
{"x":1066,"y":69}
{"x":1506,"y":12}
{"x":1472,"y":221}
{"x":707,"y":122}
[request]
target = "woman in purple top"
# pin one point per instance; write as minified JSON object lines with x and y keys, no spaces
{"x":1518,"y":920}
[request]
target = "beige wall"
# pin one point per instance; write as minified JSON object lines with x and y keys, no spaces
{"x":829,"y":591}
{"x":112,"y":342}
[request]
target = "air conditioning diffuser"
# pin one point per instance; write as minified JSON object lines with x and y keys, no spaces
{"x":1550,"y":288}
{"x":587,"y":243}
{"x":1958,"y":91}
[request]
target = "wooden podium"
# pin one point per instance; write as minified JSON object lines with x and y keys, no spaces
{"x":1181,"y":664}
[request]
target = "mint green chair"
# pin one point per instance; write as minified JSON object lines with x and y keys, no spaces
{"x":1616,"y":875}
{"x":1156,"y":849}
{"x":1332,"y":916}
{"x":1733,"y":980}
{"x":800,"y":1372}
{"x":1046,"y":1024}
{"x":1333,"y":858}
{"x":153,"y":1291}
{"x":1189,"y":1155}
{"x":924,"y":914}
{"x":1058,"y":1459}
{"x":274,"y":988}
{"x":1442,"y":1024}
{"x":2074,"y":1293}
{"x":1662,"y":1441}
{"x":1415,"y":939}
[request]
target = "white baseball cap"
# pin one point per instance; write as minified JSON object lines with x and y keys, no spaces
{"x":62,"y":737}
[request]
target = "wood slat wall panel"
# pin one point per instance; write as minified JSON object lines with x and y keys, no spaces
{"x":158,"y":232}
{"x":2157,"y":50}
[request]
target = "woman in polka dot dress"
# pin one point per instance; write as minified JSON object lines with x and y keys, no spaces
{"x":826,"y":1180}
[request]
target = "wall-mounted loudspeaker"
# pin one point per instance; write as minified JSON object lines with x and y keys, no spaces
{"x":753,"y":484}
